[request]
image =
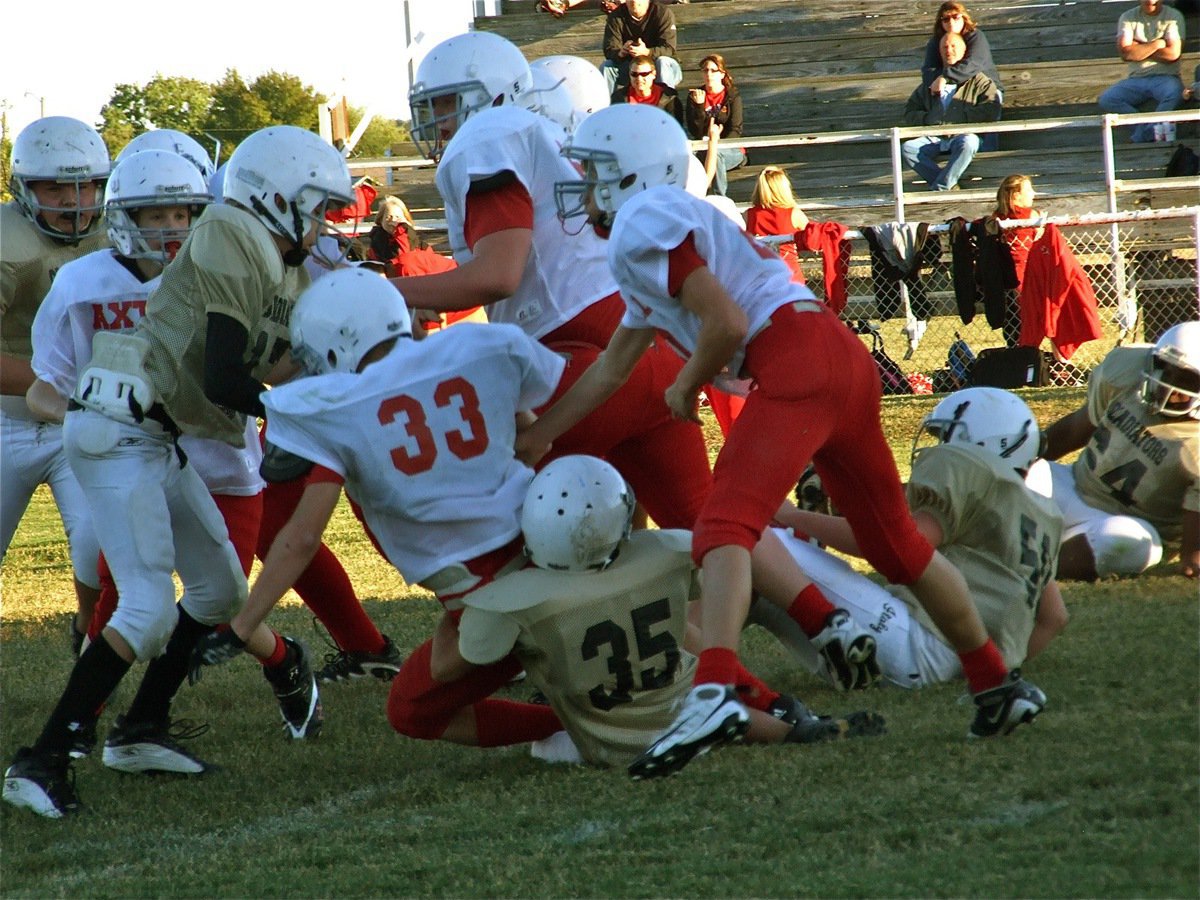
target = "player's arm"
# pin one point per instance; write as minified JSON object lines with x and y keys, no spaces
{"x":601,"y":380}
{"x":723,"y":328}
{"x":1069,"y":433}
{"x":498,"y":228}
{"x":835,"y":532}
{"x":227,"y":380}
{"x":1051,"y":619}
{"x":45,"y":401}
{"x":16,"y":374}
{"x":1189,"y":544}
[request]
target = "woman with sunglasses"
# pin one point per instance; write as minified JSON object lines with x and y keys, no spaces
{"x":717,"y":103}
{"x":953,"y":17}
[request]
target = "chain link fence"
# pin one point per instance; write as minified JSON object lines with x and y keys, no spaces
{"x":1143,"y":272}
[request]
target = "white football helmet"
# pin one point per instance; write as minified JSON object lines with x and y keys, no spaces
{"x":62,"y":149}
{"x":1171,"y":384}
{"x":174,"y":141}
{"x":577,"y":513}
{"x":147,"y":179}
{"x":341,"y":317}
{"x":995,"y":419}
{"x":623,"y":150}
{"x":566,"y":90}
{"x":288,"y":178}
{"x":462,"y":75}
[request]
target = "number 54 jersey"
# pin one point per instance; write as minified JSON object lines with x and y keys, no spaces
{"x":606,"y":648}
{"x":423,"y":439}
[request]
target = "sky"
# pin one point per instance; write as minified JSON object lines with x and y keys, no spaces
{"x":69,"y":63}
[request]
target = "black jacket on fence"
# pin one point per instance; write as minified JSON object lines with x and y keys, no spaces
{"x":899,"y":253}
{"x":983,"y":271}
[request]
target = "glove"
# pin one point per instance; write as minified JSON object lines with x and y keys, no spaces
{"x":212,"y":650}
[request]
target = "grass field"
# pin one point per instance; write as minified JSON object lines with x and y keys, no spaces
{"x":1099,"y":798}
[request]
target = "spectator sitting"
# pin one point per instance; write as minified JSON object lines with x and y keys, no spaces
{"x":773,"y":210}
{"x":636,"y":29}
{"x":953,"y":18}
{"x":394,"y":241}
{"x":1014,"y":200}
{"x":718,"y":104}
{"x":1150,"y":39}
{"x":643,"y":88}
{"x":975,"y":100}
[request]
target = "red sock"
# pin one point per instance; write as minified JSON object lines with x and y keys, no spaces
{"x":499,"y":723}
{"x":984,"y":667}
{"x":277,"y":654}
{"x":718,"y":665}
{"x":325,"y":589}
{"x":810,"y":609}
{"x":753,"y":691}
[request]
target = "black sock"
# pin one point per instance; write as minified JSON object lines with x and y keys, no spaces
{"x":96,"y":675}
{"x":166,"y":673}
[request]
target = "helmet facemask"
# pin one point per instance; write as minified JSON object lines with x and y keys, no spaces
{"x":37,"y":212}
{"x":1170,"y":388}
{"x":600,"y":183}
{"x":443,"y":109}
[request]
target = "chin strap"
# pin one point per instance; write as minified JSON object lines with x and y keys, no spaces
{"x":296,"y":255}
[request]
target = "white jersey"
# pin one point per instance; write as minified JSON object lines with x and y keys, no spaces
{"x":424,"y":439}
{"x":565,"y":273}
{"x":657,"y":221}
{"x":97,"y":293}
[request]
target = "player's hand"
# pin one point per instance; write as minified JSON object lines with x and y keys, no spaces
{"x":212,"y":650}
{"x":683,"y":402}
{"x":530,"y":450}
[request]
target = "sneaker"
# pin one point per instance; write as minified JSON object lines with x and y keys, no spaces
{"x":711,"y":715}
{"x":847,"y":652}
{"x":42,"y":783}
{"x":809,"y":728}
{"x":83,"y":741}
{"x":810,"y":492}
{"x":152,"y":747}
{"x":343,"y":665}
{"x":295,"y":688}
{"x":1001,"y":709}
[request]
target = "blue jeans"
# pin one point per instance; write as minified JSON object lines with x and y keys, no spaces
{"x":920,"y":154}
{"x":667,"y":68}
{"x":727,"y":158}
{"x":1128,"y":94}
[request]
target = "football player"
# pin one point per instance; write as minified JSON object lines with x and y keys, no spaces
{"x":728,"y":304}
{"x":599,"y":623}
{"x":59,"y":167}
{"x":1134,"y":487}
{"x":420,"y":434}
{"x":213,"y":329}
{"x":977,"y":494}
{"x":498,"y":165}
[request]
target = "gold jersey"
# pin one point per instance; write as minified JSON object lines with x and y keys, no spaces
{"x":1137,"y":463}
{"x":1002,"y":536}
{"x":29,"y":260}
{"x":229,"y":265}
{"x":606,"y":648}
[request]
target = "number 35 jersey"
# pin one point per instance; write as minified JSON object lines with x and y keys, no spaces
{"x":606,"y":648}
{"x":423,"y":439}
{"x":1137,"y":463}
{"x":1002,"y":536}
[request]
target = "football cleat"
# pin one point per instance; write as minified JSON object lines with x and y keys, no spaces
{"x":295,"y":688}
{"x":847,"y":653}
{"x":1001,"y":709}
{"x":809,"y":728}
{"x":343,"y":665}
{"x":83,"y":739}
{"x":711,"y":715}
{"x":151,"y":747}
{"x":44,"y":783}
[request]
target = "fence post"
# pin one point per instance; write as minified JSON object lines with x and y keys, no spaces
{"x":897,"y":175}
{"x":1127,"y":306}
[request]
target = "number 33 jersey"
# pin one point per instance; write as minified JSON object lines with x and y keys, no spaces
{"x":1002,"y":536}
{"x":423,"y":439}
{"x":1136,"y":462}
{"x":606,"y":648}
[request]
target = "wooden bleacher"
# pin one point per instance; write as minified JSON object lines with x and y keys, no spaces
{"x":851,"y":65}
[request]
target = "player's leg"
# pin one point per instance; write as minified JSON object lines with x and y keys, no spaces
{"x":81,"y":539}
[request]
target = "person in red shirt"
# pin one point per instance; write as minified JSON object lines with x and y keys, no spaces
{"x":644,"y":88}
{"x":772,"y":211}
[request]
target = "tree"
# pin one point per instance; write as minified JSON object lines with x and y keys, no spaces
{"x":381,"y":135}
{"x":164,"y":102}
{"x":275,"y":98}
